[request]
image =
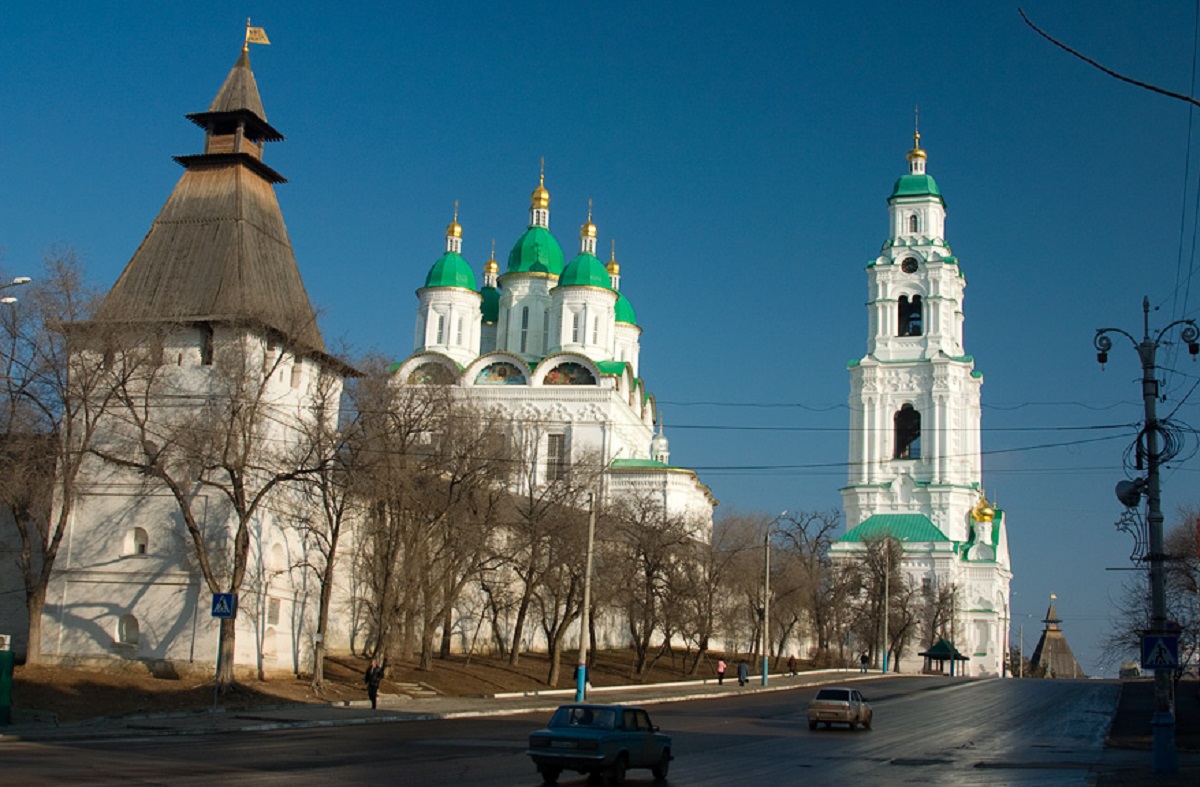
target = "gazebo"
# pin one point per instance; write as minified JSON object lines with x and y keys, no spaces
{"x":942,"y":652}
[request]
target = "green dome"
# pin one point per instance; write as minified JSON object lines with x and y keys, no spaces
{"x":536,"y":251}
{"x":916,"y":186}
{"x":625,"y":310}
{"x":585,"y":271}
{"x":490,"y":307}
{"x":451,"y":270}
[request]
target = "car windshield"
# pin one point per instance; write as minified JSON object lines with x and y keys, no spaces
{"x":582,"y":716}
{"x":834,"y":695}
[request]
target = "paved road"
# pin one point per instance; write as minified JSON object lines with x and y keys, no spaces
{"x":926,"y":731}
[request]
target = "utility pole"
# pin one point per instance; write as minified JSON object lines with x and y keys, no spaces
{"x":1165,"y":759}
{"x":584,"y":623}
{"x":766,"y":607}
{"x":887,"y":569}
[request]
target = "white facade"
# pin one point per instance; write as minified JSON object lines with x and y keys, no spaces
{"x":915,"y":468}
{"x":561,"y":364}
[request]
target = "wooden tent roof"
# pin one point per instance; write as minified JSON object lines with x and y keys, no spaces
{"x":219,"y":250}
{"x":1052,"y":651}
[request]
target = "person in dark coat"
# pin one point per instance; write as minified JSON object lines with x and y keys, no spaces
{"x":743,"y":673}
{"x":863,"y":661}
{"x":792,"y":664}
{"x":373,"y":678}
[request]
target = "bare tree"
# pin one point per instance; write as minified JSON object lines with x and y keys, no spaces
{"x":53,"y":403}
{"x":237,"y":437}
{"x":808,"y":536}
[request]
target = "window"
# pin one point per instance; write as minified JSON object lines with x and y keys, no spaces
{"x":441,"y":329}
{"x":595,"y":330}
{"x":272,"y":612}
{"x":524,"y":328}
{"x":556,"y":457}
{"x":297,"y":372}
{"x":458,"y":332}
{"x":926,"y":585}
{"x":136,"y":541}
{"x":127,"y":630}
{"x":576,"y":318}
{"x":545,"y":331}
{"x":907,"y":423}
{"x":914,"y":223}
{"x":206,"y":344}
{"x":910,"y":316}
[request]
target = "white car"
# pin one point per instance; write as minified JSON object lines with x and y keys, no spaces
{"x":841,"y":705}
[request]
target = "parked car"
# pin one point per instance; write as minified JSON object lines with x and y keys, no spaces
{"x":841,"y":705}
{"x":599,"y":739}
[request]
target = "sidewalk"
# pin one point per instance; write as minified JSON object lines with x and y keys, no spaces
{"x":392,"y":708}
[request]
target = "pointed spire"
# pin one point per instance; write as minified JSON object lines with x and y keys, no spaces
{"x":454,"y":233}
{"x":916,"y":156}
{"x":587,"y":234}
{"x":539,"y":201}
{"x":614,"y":268}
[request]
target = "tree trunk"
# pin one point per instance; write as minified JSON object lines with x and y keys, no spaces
{"x":36,"y":603}
{"x":225,"y":668}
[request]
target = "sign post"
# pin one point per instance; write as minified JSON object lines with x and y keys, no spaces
{"x":224,"y":607}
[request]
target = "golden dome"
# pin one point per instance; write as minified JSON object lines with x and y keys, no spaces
{"x":540,"y":198}
{"x":588,"y":229}
{"x":983,"y":511}
{"x":613,"y":267}
{"x":916,"y":151}
{"x":491,"y":267}
{"x":454,"y":229}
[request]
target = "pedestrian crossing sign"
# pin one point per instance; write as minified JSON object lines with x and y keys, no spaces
{"x":224,"y":605}
{"x":1160,"y":651}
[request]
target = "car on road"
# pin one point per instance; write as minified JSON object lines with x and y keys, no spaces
{"x":839,"y":704}
{"x":599,"y":739}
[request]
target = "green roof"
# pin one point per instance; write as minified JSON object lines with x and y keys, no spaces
{"x":625,"y":310}
{"x":490,"y":306}
{"x":916,"y":186}
{"x":637,"y":464}
{"x":536,"y":251}
{"x":615,"y":368}
{"x":902,"y":527}
{"x":585,"y":271}
{"x":451,"y":270}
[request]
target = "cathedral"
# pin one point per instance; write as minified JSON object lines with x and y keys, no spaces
{"x":551,"y":348}
{"x":915,"y":468}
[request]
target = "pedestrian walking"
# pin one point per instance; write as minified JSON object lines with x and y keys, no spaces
{"x":743,"y":673}
{"x":863,"y":660}
{"x":720,"y":672}
{"x":373,"y":678}
{"x":792,"y":664}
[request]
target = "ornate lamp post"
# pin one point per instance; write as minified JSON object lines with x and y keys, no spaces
{"x":1163,"y":721}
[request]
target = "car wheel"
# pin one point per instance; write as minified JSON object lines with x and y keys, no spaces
{"x":616,"y":774}
{"x":812,"y":725}
{"x":550,"y":775}
{"x":867,"y":724}
{"x":853,"y":726}
{"x":664,"y":765}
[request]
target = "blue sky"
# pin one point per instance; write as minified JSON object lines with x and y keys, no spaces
{"x":740,"y":155}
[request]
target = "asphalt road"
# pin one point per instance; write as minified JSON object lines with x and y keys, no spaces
{"x":963,"y":733}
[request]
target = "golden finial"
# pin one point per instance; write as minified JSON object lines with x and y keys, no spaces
{"x":916,"y":151}
{"x":454,"y":229}
{"x":541,"y":197}
{"x":491,"y":266}
{"x":983,"y":510}
{"x":588,"y":230}
{"x":614,"y":269}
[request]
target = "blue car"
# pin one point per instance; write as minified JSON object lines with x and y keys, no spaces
{"x":599,"y":739}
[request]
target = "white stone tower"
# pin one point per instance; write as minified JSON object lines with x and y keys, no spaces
{"x":915,"y":470}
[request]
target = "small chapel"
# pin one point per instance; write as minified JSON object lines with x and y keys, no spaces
{"x":915,"y":468}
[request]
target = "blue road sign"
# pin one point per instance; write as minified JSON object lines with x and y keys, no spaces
{"x":1160,"y":651}
{"x":224,"y":605}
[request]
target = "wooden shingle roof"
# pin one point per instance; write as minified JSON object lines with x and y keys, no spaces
{"x":219,"y":250}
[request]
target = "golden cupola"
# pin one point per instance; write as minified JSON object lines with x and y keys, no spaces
{"x":540,"y":198}
{"x":983,"y":511}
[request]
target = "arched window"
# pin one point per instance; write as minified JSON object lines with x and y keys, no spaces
{"x":136,"y":541}
{"x":441,"y":329}
{"x":524,"y":328}
{"x":278,"y":561}
{"x":914,"y":223}
{"x":909,"y":316}
{"x":127,"y":630}
{"x":907,"y":423}
{"x":576,"y":318}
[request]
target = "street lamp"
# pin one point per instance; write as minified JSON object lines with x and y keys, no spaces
{"x":1163,"y":721}
{"x":584,"y":623}
{"x":766,"y":639}
{"x":14,"y":283}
